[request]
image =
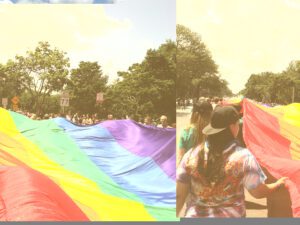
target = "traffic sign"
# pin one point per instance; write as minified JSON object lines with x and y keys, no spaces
{"x":15,"y":100}
{"x":64,"y":99}
{"x":64,"y":102}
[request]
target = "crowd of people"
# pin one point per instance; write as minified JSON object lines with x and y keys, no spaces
{"x":184,"y":103}
{"x":90,"y":119}
{"x":214,"y":167}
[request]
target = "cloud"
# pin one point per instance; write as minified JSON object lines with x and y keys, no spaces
{"x":23,"y":26}
{"x":85,"y":32}
{"x":292,"y":3}
{"x":121,"y":52}
{"x":5,"y":2}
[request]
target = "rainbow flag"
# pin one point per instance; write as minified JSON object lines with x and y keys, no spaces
{"x":54,"y":170}
{"x":273,"y":136}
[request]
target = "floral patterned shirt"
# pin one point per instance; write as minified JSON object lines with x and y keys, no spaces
{"x":226,"y":198}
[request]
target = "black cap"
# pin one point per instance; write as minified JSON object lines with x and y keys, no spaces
{"x":221,"y":118}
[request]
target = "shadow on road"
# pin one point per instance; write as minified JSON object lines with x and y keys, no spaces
{"x":252,"y":205}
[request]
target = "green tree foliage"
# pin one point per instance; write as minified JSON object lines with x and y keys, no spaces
{"x":258,"y":87}
{"x":197,"y":73}
{"x":52,"y":106}
{"x":281,"y":88}
{"x":10,"y":84}
{"x":40,"y":73}
{"x":147,"y":87}
{"x":85,"y":82}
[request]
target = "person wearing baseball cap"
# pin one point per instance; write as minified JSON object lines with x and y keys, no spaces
{"x":215,"y":174}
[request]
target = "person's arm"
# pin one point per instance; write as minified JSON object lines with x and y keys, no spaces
{"x":182,"y":190}
{"x":183,"y":183}
{"x":181,"y":149}
{"x":179,"y":155}
{"x":263,"y":190}
{"x":254,"y":179}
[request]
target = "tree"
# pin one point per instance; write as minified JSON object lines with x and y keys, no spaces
{"x":259,"y":87}
{"x":85,"y":82}
{"x":293,"y":72}
{"x":40,"y":72}
{"x":147,"y":87}
{"x":197,"y":73}
{"x":10,"y":82}
{"x":282,"y":88}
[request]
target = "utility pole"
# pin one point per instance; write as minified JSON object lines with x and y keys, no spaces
{"x":293,"y":95}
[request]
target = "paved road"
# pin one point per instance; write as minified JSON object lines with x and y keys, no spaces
{"x":255,"y":207}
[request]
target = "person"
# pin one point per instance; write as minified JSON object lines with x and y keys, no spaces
{"x":215,"y":173}
{"x":69,"y":116}
{"x":148,"y":121}
{"x":217,"y":102}
{"x":163,"y":122}
{"x":110,"y":117}
{"x":191,"y":136}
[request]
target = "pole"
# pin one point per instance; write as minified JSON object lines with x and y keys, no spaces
{"x":293,"y":96}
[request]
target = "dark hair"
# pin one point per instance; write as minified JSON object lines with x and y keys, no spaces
{"x":216,"y":100}
{"x":200,"y":118}
{"x":217,"y":143}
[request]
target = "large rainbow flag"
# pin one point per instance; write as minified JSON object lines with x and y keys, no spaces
{"x":114,"y":171}
{"x":273,"y":136}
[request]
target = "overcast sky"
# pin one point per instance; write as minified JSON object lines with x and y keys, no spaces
{"x":116,"y":35}
{"x":245,"y":36}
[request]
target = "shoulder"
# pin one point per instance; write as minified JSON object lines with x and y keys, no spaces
{"x":187,"y":131}
{"x":241,"y":153}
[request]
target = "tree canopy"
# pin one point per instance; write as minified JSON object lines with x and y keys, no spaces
{"x":147,"y":87}
{"x":41,"y":75}
{"x":197,"y":72}
{"x":84,"y":83}
{"x":281,"y":88}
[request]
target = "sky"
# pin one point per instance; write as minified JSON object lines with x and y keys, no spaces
{"x":245,"y":36}
{"x":58,"y":1}
{"x":115,"y":35}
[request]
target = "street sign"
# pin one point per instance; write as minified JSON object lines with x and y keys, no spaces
{"x":64,"y":102}
{"x":15,"y":100}
{"x":64,"y":99}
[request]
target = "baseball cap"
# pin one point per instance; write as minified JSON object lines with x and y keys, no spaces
{"x":221,"y":118}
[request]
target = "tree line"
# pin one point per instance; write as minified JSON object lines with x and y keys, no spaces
{"x":197,"y":75}
{"x":40,"y":76}
{"x":280,"y":88}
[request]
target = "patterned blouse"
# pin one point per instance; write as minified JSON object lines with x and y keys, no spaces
{"x":226,"y":198}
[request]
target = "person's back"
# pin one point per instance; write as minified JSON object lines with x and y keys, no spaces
{"x":214,"y":176}
{"x":225,"y":198}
